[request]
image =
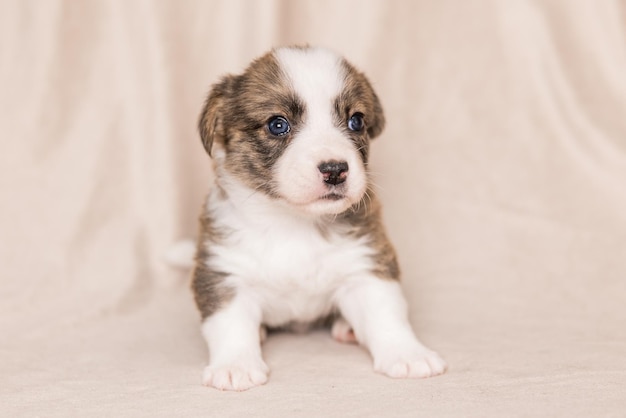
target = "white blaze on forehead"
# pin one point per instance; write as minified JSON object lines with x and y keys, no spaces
{"x":317,"y":77}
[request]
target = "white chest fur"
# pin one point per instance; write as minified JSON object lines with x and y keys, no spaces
{"x":283,"y":259}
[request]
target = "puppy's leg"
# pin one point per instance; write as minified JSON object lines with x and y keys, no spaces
{"x":377,"y":311}
{"x":233,"y":337}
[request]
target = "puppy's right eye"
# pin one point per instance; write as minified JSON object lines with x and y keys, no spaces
{"x":278,"y":126}
{"x":355,"y":123}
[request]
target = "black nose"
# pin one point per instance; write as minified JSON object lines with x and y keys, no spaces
{"x":335,"y":172}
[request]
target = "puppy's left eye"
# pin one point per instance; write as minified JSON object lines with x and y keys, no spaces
{"x":355,"y":123}
{"x":278,"y":126}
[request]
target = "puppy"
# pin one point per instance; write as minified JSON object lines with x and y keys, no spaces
{"x":291,"y":233}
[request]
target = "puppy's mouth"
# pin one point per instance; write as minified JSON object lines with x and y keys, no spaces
{"x":328,"y":202}
{"x":333,"y":196}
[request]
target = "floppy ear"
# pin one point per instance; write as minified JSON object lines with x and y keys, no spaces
{"x":210,"y":124}
{"x":377,"y":120}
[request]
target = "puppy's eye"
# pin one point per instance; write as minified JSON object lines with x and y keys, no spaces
{"x":355,"y":123}
{"x":278,"y":126}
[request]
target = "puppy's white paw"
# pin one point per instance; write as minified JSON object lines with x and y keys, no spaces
{"x":410,"y":364}
{"x":235,"y":376}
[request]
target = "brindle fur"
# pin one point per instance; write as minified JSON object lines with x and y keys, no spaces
{"x":365,"y":218}
{"x":207,"y":284}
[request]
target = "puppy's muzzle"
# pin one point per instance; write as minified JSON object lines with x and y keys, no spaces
{"x":334,"y":172}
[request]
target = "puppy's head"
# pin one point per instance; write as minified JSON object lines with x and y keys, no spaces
{"x":296,"y":126}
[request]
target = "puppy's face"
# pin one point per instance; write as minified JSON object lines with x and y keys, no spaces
{"x":296,"y":126}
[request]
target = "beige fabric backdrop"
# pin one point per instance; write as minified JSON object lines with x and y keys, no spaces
{"x":503,"y":172}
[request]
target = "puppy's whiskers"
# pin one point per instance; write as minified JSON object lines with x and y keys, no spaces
{"x":367,"y":195}
{"x":376,"y":185}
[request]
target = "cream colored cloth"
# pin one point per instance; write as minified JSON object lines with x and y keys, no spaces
{"x":502,"y":171}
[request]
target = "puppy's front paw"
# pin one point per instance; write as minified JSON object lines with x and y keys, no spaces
{"x":411,"y":364}
{"x":235,"y":376}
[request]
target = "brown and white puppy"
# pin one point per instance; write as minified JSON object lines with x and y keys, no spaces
{"x":291,"y":233}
